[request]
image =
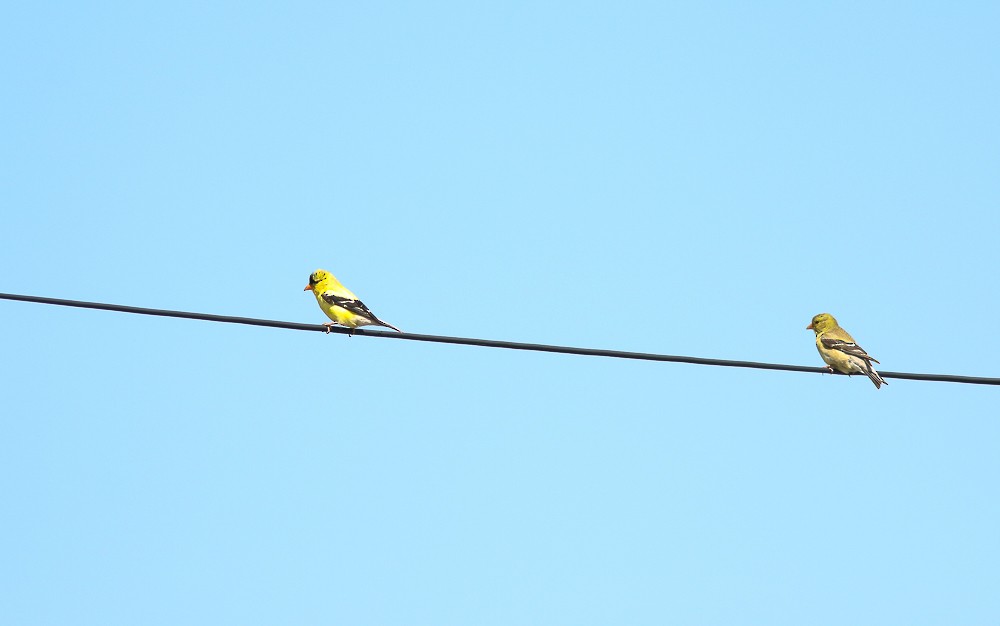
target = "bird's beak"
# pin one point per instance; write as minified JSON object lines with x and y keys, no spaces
{"x":810,"y":327}
{"x":308,"y":288}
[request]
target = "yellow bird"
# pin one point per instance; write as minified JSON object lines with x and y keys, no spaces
{"x":340,"y":304}
{"x":838,"y":349}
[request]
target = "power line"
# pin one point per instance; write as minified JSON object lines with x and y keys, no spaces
{"x":486,"y":343}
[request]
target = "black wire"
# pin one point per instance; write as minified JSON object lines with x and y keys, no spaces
{"x":486,"y":343}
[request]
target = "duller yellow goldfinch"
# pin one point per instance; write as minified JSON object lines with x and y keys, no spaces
{"x":838,"y":349}
{"x":340,"y":304}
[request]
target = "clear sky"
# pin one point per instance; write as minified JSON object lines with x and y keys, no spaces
{"x":695,"y":179}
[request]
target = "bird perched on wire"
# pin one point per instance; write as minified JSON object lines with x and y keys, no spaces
{"x":838,"y":349}
{"x":340,"y":304}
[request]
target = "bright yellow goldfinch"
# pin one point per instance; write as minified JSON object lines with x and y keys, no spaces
{"x":838,"y":349}
{"x":340,"y":304}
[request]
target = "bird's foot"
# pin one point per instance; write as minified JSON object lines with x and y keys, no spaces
{"x":829,"y":369}
{"x":329,"y":325}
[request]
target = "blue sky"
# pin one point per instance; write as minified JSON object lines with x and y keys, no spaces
{"x":696,"y":179}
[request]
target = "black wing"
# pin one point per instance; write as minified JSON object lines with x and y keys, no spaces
{"x":848,"y":347}
{"x":349,"y":304}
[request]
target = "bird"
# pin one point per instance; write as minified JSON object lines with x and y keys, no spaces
{"x":839,"y":350}
{"x":340,"y":304}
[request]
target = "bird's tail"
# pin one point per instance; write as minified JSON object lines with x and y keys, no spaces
{"x":875,"y":376}
{"x":387,"y":325}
